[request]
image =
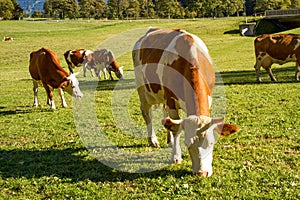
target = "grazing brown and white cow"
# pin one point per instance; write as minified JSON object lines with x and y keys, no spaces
{"x":102,"y":60}
{"x":173,"y":67}
{"x":44,"y":67}
{"x":276,"y":48}
{"x":75,"y":58}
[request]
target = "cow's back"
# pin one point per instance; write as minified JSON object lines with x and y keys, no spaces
{"x":181,"y":52}
{"x":278,"y":46}
{"x":44,"y":65}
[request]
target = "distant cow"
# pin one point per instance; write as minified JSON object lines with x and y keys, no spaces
{"x":173,"y":67}
{"x":8,"y":39}
{"x":44,"y":67}
{"x":100,"y":61}
{"x":74,"y":58}
{"x":276,"y":48}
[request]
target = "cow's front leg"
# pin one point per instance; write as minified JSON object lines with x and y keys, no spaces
{"x":62,"y":96}
{"x":84,"y":69}
{"x":297,"y":71}
{"x":104,"y":73}
{"x":35,"y":93}
{"x":257,"y":71}
{"x":50,"y":100}
{"x":110,"y":76}
{"x":176,"y":152}
{"x":91,"y":71}
{"x":147,"y":115}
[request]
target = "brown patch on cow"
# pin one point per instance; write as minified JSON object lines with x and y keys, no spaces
{"x":227,"y":129}
{"x":42,"y":65}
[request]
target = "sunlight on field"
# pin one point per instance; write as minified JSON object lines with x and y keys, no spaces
{"x":43,"y":157}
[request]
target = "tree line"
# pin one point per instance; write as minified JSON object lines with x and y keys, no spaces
{"x":133,"y":9}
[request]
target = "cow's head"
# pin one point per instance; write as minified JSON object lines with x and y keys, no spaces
{"x":71,"y":86}
{"x":119,"y":73}
{"x":200,"y":138}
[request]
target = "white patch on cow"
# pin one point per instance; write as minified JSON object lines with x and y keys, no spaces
{"x":199,"y":44}
{"x":274,"y":60}
{"x":209,"y":101}
{"x":297,"y":45}
{"x":88,"y":52}
{"x":73,"y":87}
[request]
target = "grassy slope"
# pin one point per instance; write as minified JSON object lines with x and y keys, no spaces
{"x":41,"y":155}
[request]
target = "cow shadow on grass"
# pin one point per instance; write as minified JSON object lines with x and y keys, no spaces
{"x":242,"y":77}
{"x":107,"y":85}
{"x":71,"y":163}
{"x":23,"y":110}
{"x":248,"y":77}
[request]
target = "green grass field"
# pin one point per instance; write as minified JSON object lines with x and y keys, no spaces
{"x":43,"y":153}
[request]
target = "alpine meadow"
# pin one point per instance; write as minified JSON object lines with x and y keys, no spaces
{"x":43,"y":156}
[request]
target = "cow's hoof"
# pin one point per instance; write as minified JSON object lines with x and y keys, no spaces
{"x":201,"y":173}
{"x":177,"y":161}
{"x":153,"y":142}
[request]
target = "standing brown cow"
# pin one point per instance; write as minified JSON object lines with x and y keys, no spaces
{"x":276,"y":48}
{"x":44,"y":67}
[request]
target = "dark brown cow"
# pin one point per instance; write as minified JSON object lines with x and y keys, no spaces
{"x":276,"y":48}
{"x":75,"y":58}
{"x":44,"y":67}
{"x":173,"y":67}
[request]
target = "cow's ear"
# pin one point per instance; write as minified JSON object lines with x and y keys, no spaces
{"x":226,"y":129}
{"x":171,"y":124}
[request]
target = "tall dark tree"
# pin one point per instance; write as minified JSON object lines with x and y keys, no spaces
{"x":18,"y":11}
{"x":61,"y":9}
{"x":6,"y":9}
{"x":169,"y":9}
{"x":117,"y":7}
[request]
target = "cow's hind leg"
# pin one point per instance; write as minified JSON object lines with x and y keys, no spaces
{"x":266,"y":64}
{"x":272,"y":77}
{"x":35,"y":92}
{"x":257,"y":70}
{"x":50,"y":100}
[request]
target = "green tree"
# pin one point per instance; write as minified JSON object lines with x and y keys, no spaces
{"x":101,"y":9}
{"x":133,"y":9}
{"x":117,"y":7}
{"x":87,"y":8}
{"x":147,"y":8}
{"x":231,"y":7}
{"x":18,"y":11}
{"x":6,"y":9}
{"x":194,"y":8}
{"x":263,"y":5}
{"x":169,"y":9}
{"x":295,"y":3}
{"x":61,"y":9}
